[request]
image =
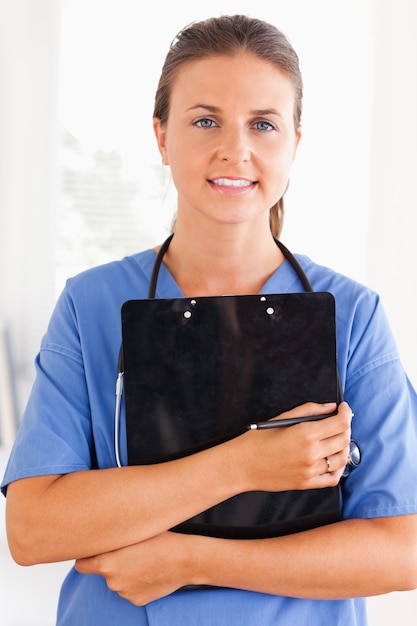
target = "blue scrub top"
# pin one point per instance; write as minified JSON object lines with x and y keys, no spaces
{"x":69,"y":426}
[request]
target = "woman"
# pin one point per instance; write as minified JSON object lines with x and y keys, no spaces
{"x":227,"y":122}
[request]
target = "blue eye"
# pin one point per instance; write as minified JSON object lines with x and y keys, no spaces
{"x":204,"y":122}
{"x":264,"y":126}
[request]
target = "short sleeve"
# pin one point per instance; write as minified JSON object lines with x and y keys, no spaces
{"x":384,"y":425}
{"x":55,"y":436}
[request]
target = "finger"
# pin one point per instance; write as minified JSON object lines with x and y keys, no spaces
{"x":86,"y":566}
{"x":310,"y":409}
{"x":335,"y":425}
{"x":334,"y":463}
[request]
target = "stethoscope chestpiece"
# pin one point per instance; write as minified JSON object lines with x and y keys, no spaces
{"x":354,"y":458}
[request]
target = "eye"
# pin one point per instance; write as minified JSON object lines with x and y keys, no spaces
{"x":264,"y":126}
{"x":204,"y":122}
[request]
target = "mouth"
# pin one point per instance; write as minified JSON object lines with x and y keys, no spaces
{"x":233,"y":183}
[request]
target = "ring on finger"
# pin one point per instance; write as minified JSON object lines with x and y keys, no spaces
{"x":329,"y":466}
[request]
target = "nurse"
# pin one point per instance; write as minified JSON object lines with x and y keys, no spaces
{"x":227,"y":121}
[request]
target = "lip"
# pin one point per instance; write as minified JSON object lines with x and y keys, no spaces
{"x":232,"y":185}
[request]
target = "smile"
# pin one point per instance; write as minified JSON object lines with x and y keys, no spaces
{"x":232,"y":182}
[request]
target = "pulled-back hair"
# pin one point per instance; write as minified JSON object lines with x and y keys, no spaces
{"x":227,"y":36}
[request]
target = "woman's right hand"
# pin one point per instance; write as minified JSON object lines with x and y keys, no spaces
{"x":77,"y":515}
{"x":307,"y":455}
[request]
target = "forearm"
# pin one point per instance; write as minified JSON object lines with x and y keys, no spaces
{"x":92,"y":512}
{"x":54,"y":518}
{"x":344,"y":560}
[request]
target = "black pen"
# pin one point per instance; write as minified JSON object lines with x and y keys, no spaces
{"x":289,"y":421}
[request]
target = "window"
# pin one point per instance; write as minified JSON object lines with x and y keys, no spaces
{"x":115,"y":197}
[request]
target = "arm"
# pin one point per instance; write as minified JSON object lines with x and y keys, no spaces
{"x":90,"y":512}
{"x":349,"y":559}
{"x":344,"y":560}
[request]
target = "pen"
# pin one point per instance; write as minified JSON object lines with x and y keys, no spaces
{"x":289,"y":421}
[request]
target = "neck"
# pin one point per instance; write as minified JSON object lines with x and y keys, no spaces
{"x":227,"y":261}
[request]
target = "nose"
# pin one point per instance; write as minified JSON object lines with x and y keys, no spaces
{"x":234,"y":146}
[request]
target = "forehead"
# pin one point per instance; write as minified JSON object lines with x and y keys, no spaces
{"x":241,"y":77}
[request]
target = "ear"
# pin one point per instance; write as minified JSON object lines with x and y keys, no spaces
{"x":160,"y":134}
{"x":297,"y":139}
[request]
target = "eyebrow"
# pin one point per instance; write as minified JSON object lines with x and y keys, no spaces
{"x":215,"y":109}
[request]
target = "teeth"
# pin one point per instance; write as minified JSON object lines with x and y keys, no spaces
{"x":229,"y":182}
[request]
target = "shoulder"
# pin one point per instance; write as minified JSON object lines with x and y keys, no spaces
{"x":362,"y":325}
{"x":91,"y":301}
{"x":365,"y":342}
{"x":128,"y":274}
{"x":352,"y":297}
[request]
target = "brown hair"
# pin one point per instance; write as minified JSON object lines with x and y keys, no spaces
{"x":227,"y":35}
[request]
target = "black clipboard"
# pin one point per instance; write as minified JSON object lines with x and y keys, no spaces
{"x":197,"y":371}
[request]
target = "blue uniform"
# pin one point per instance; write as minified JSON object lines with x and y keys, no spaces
{"x":69,"y":426}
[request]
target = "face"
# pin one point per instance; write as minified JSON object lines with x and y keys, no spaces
{"x":229,"y":139}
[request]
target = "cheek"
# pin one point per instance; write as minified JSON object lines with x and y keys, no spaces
{"x":185,"y":162}
{"x":278,"y":174}
{"x":282,"y":163}
{"x":184,"y":172}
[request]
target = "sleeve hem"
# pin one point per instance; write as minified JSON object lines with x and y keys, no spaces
{"x":32,"y":472}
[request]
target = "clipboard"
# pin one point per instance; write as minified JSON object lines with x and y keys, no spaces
{"x":198,"y":371}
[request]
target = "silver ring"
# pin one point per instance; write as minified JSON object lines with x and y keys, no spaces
{"x":329,"y":467}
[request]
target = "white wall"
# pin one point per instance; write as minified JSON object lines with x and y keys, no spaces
{"x":29,"y":47}
{"x":391,"y":249}
{"x":351,"y":203}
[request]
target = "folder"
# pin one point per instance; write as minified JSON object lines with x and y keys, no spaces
{"x":198,"y":371}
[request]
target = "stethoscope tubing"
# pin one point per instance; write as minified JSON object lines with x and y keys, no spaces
{"x":354,"y":458}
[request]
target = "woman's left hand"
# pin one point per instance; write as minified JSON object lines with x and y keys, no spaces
{"x":145,"y":571}
{"x":383,"y":553}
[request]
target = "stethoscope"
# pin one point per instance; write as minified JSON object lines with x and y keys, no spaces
{"x":354,"y":457}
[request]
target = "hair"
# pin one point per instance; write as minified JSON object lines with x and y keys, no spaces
{"x":226,"y":36}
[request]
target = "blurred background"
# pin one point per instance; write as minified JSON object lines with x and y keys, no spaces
{"x":81,"y":180}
